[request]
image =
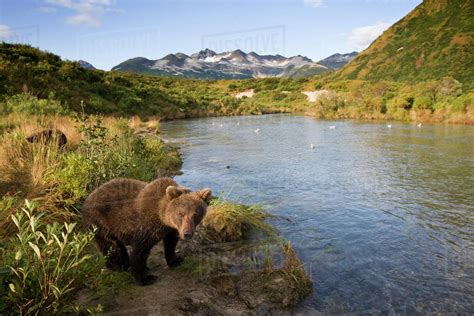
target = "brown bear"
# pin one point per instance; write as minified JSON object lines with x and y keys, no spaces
{"x":140,"y":214}
{"x":48,"y":136}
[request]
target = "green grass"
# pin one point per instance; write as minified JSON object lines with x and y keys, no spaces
{"x":226,"y":221}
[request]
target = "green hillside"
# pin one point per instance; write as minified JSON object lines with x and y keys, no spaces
{"x":435,"y":40}
{"x":24,"y":69}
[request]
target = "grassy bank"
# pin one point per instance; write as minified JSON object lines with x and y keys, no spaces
{"x":47,"y":259}
{"x":444,"y":100}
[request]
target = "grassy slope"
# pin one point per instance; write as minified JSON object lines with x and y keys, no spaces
{"x":27,"y":69}
{"x":434,"y":40}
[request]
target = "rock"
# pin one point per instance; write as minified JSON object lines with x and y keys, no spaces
{"x":313,"y":96}
{"x":246,"y":94}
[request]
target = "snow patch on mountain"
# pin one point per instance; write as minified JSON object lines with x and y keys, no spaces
{"x":207,"y":64}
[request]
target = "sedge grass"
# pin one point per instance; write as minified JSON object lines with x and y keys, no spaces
{"x":226,"y":221}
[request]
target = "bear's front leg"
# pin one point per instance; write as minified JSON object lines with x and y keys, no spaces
{"x":138,"y":260}
{"x":169,"y":242}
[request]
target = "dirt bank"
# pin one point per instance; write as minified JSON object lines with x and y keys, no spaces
{"x":230,"y":278}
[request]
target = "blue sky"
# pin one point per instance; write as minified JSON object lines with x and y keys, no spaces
{"x":107,"y":32}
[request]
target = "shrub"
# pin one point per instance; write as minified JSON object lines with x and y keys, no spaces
{"x":29,"y":104}
{"x":423,"y":103}
{"x":7,"y":207}
{"x":49,"y":266}
{"x":330,"y":102}
{"x":404,"y":102}
{"x":461,"y":103}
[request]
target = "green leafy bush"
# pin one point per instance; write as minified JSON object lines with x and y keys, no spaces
{"x":423,"y":103}
{"x":461,"y":103}
{"x":29,"y":104}
{"x":47,"y":266}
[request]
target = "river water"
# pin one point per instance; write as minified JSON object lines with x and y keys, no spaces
{"x":383,"y":218}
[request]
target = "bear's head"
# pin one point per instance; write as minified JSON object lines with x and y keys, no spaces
{"x":186,"y":209}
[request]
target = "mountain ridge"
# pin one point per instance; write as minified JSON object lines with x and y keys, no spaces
{"x":236,"y":64}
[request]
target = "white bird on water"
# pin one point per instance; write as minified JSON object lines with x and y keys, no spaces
{"x":332,"y":127}
{"x":312,"y":146}
{"x":419,"y":125}
{"x":238,"y":123}
{"x":389,"y":126}
{"x":257,"y":130}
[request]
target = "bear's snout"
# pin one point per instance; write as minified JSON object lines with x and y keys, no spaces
{"x":187,"y":230}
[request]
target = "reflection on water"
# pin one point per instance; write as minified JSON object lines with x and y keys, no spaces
{"x":383,"y":218}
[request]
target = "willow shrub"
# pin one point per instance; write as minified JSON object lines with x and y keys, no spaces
{"x":46,"y":265}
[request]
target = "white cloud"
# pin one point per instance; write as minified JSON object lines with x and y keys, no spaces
{"x":361,"y":37}
{"x":87,"y":12}
{"x":313,"y":3}
{"x":47,"y":9}
{"x":5,"y":32}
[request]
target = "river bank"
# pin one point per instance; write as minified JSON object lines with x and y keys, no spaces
{"x":236,"y":264}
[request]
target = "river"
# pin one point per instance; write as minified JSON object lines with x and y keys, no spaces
{"x":383,"y":217}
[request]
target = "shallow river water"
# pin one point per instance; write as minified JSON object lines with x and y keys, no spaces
{"x":382,"y":217}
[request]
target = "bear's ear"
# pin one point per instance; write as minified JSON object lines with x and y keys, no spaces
{"x":205,"y":194}
{"x":184,"y":189}
{"x":173,"y":192}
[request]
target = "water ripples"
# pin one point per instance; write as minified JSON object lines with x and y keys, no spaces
{"x":383,"y":218}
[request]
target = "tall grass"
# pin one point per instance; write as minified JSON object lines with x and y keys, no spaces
{"x":227,"y":221}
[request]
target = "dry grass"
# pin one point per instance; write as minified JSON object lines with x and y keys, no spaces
{"x":24,"y":170}
{"x":293,"y":268}
{"x":152,"y":124}
{"x":29,"y":124}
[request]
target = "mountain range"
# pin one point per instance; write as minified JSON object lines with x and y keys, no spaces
{"x":236,"y":64}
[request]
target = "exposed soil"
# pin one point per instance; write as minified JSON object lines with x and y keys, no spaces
{"x":217,"y":279}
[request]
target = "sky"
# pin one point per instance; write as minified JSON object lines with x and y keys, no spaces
{"x":108,"y":32}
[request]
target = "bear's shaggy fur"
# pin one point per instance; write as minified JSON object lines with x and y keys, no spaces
{"x":140,"y":214}
{"x":48,"y":136}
